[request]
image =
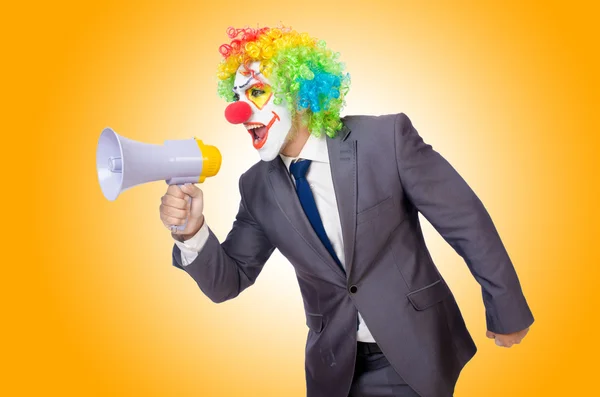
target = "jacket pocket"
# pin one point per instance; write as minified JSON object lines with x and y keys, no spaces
{"x":314,"y":322}
{"x":429,"y":295}
{"x":375,"y":210}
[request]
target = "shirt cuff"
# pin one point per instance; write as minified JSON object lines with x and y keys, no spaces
{"x":190,"y":248}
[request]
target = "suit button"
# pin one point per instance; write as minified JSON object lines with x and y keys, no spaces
{"x":353,"y":289}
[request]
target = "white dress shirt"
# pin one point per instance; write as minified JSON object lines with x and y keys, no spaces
{"x":321,"y":184}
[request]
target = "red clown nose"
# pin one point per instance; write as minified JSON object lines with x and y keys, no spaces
{"x":238,"y":112}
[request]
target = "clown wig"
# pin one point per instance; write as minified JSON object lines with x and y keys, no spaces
{"x":302,"y":71}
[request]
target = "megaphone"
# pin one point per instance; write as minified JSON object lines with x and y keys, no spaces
{"x":124,"y":163}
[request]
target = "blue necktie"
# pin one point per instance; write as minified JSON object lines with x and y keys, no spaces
{"x":298,"y":169}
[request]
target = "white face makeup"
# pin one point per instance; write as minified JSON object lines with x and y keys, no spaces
{"x":269,"y":124}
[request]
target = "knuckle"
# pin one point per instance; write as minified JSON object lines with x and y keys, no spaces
{"x":174,"y":190}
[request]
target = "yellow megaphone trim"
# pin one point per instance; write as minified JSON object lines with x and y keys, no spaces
{"x":211,"y":160}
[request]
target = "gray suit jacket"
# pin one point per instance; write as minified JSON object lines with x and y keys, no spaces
{"x":383,"y":175}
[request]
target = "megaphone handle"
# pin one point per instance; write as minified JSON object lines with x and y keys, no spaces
{"x":182,"y":227}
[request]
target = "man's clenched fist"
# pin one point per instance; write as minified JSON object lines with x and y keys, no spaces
{"x":175,"y":210}
{"x":509,"y":339}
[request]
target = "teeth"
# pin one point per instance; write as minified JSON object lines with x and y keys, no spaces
{"x":253,"y":126}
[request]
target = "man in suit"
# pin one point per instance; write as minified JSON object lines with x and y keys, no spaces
{"x":341,"y":203}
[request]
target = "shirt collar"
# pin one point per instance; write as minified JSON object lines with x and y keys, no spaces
{"x":314,"y":149}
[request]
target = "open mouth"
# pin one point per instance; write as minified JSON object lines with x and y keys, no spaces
{"x":259,"y":133}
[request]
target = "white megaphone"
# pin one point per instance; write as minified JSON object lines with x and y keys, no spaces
{"x":123,"y":163}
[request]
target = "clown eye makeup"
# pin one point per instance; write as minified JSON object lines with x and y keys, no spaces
{"x":259,"y":94}
{"x":236,"y":97}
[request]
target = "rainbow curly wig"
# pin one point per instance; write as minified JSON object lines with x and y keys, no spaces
{"x":301,"y":69}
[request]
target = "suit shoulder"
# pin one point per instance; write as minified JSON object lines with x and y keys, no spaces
{"x":254,"y":172}
{"x":361,"y":125}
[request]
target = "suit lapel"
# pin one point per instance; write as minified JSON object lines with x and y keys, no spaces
{"x":342,"y":159}
{"x":284,"y":192}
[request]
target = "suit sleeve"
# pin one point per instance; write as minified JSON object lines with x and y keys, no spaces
{"x":445,"y":200}
{"x":190,"y":248}
{"x":224,"y":270}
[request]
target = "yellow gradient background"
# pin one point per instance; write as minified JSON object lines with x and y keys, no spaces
{"x":91,"y":306}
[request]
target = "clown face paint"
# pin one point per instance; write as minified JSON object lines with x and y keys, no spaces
{"x":268,"y":124}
